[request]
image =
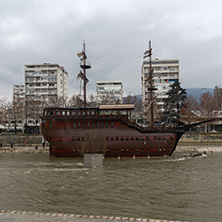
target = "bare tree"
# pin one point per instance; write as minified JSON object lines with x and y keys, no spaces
{"x":76,"y":101}
{"x":94,"y":143}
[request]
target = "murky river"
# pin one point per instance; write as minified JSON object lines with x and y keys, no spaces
{"x":175,"y":188}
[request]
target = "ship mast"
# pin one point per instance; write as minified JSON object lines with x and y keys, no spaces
{"x":148,"y":53}
{"x":82,"y":75}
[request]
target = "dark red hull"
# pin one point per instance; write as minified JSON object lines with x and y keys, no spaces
{"x":67,"y":135}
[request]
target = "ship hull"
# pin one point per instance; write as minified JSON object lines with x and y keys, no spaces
{"x":119,"y":142}
{"x":71,"y":132}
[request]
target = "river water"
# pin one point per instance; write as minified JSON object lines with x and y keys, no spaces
{"x":172,"y":188}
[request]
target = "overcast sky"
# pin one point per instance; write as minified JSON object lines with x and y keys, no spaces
{"x":116,"y":34}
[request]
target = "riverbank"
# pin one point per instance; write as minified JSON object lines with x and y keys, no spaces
{"x":179,"y":149}
{"x":24,"y":150}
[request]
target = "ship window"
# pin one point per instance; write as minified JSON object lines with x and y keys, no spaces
{"x":127,"y":138}
{"x":63,"y":112}
{"x":88,"y":125}
{"x":68,"y":112}
{"x":117,"y":138}
{"x":122,"y":138}
{"x":79,"y":125}
{"x":107,"y":124}
{"x":83,"y":125}
{"x":57,"y":112}
{"x":73,"y":113}
{"x":93,"y":125}
{"x":141,"y":138}
{"x":102,"y":125}
{"x":50,"y":113}
{"x":50,"y":125}
{"x":112,"y":124}
{"x":132,"y":138}
{"x":74,"y":125}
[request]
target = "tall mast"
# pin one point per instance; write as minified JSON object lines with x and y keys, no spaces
{"x":148,"y":53}
{"x":84,"y":65}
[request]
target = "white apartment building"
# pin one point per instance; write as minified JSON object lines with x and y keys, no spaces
{"x":165,"y":73}
{"x":109,"y":91}
{"x":46,"y":83}
{"x":18,"y":92}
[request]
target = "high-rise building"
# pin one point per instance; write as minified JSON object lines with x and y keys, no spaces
{"x":46,"y":83}
{"x":109,"y":92}
{"x":165,"y":73}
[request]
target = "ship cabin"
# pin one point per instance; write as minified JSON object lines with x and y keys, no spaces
{"x":123,"y":110}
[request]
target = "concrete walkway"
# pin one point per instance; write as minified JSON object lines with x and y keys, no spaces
{"x":24,"y":216}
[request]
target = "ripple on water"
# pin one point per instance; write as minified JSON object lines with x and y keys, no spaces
{"x":177,"y":188}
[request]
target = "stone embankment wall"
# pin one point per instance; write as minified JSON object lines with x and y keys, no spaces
{"x":209,"y":138}
{"x":20,"y":140}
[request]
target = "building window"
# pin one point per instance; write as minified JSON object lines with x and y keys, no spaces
{"x":79,"y":125}
{"x":112,"y":124}
{"x":74,"y":125}
{"x":93,"y":125}
{"x":107,"y":124}
{"x":68,"y":112}
{"x":83,"y":125}
{"x":63,"y":112}
{"x":50,"y":125}
{"x":97,"y":125}
{"x":102,"y":125}
{"x":88,"y":125}
{"x":73,"y":113}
